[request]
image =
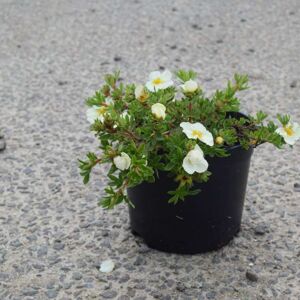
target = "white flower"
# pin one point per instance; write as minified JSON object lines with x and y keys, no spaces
{"x":124,"y":114}
{"x":195,"y":161}
{"x":96,"y":113}
{"x":197,"y":131}
{"x":290,"y":133}
{"x":107,"y":266}
{"x":158,"y":110}
{"x":140,"y":93}
{"x":122,"y":161}
{"x":189,"y":86}
{"x":159,"y":81}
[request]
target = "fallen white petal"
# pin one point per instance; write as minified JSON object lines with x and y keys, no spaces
{"x":107,"y":266}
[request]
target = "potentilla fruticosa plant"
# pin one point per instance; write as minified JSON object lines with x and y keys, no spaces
{"x":172,"y":126}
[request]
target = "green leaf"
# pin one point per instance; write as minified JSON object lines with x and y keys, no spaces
{"x":186,"y":75}
{"x":283,"y":119}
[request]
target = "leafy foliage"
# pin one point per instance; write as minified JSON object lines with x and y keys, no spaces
{"x":160,"y":145}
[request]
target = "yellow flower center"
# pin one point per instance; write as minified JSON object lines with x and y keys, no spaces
{"x":157,"y":81}
{"x":101,"y":111}
{"x":289,"y":131}
{"x":197,"y":133}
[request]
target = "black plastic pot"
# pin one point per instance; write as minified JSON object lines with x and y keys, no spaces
{"x":204,"y":222}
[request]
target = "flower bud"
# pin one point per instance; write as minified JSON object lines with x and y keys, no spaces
{"x":140,"y":93}
{"x":158,"y":110}
{"x":219,"y":140}
{"x":189,"y":86}
{"x":122,"y":161}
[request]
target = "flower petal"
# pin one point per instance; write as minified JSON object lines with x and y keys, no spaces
{"x":92,"y":114}
{"x":165,"y":85}
{"x":150,"y":86}
{"x":199,"y":149}
{"x":201,"y":165}
{"x":166,"y":75}
{"x":154,"y":75}
{"x":199,"y":126}
{"x":291,"y":140}
{"x":187,"y":129}
{"x":207,"y":138}
{"x":188,"y":166}
{"x":280,"y":131}
{"x":139,"y":89}
{"x":107,"y":266}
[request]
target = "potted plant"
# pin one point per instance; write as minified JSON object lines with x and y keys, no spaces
{"x":179,"y":159}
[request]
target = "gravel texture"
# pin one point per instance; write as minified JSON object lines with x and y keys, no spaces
{"x":53,"y":236}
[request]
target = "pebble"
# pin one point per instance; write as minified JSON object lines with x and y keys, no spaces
{"x":42,"y":251}
{"x":51,"y":284}
{"x":297,"y":187}
{"x":54,"y":259}
{"x":38,"y":266}
{"x":211,"y":295}
{"x":16,"y":243}
{"x":29,"y":292}
{"x":28,"y":171}
{"x":77,"y":276}
{"x":293,"y":84}
{"x":51,"y":294}
{"x":117,"y":58}
{"x":251,"y":276}
{"x":196,"y":26}
{"x":62,"y":82}
{"x":124,"y":278}
{"x":139,"y":261}
{"x":109,"y":294}
{"x":84,"y":225}
{"x":67,"y":285}
{"x":180,"y":287}
{"x":260,"y":229}
{"x":66,"y":268}
{"x":58,"y":245}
